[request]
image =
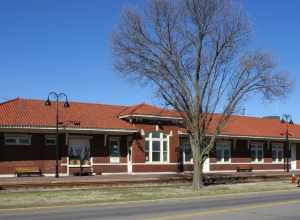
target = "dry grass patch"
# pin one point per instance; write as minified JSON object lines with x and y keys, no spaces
{"x":12,"y":199}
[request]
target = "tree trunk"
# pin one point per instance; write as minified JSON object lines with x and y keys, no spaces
{"x":198,"y":172}
{"x":197,"y":175}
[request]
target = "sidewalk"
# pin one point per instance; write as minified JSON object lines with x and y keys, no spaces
{"x":124,"y":179}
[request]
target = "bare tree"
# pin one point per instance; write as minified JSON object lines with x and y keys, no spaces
{"x":194,"y":53}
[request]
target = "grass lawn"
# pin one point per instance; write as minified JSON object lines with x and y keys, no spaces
{"x":54,"y":197}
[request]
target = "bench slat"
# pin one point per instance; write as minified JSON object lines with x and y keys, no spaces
{"x":28,"y":171}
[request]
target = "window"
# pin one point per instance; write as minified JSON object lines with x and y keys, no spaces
{"x":50,"y":140}
{"x":156,"y":147}
{"x":257,"y":152}
{"x":79,"y":152}
{"x":277,"y":153}
{"x":223,"y":152}
{"x":186,"y":149}
{"x":17,"y":139}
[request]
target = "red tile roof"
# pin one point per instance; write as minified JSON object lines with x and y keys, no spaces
{"x":258,"y":127}
{"x":147,"y":110}
{"x":33,"y":113}
{"x":27,"y":112}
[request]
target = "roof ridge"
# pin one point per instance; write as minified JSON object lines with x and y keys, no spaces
{"x":70,"y":101}
{"x":162,"y":109}
{"x":134,"y":108}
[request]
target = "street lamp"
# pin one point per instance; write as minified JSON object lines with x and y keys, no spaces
{"x":56,"y":97}
{"x":287,"y":120}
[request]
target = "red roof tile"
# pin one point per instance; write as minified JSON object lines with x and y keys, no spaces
{"x":33,"y":113}
{"x":257,"y":127}
{"x":27,"y":112}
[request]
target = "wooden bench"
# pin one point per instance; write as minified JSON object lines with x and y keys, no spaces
{"x":28,"y":171}
{"x":244,"y":168}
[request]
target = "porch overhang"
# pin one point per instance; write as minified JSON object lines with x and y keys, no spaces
{"x":42,"y":129}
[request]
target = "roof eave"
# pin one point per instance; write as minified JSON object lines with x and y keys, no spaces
{"x":68,"y":129}
{"x":250,"y":137}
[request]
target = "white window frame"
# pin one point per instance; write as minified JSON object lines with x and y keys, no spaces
{"x":277,"y":147}
{"x":161,"y":139}
{"x":223,"y":145}
{"x":50,"y":137}
{"x":17,"y":137}
{"x":256,"y":146}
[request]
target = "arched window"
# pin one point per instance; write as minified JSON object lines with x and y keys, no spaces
{"x":156,"y":147}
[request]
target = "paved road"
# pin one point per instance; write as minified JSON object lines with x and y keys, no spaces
{"x":264,"y":206}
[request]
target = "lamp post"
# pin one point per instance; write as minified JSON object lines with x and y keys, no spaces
{"x":57,"y":97}
{"x":287,"y":120}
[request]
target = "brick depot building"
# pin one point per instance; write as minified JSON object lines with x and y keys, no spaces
{"x":132,"y":139}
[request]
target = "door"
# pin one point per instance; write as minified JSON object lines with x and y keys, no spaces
{"x":129,"y":155}
{"x":114,"y":149}
{"x":293,"y":157}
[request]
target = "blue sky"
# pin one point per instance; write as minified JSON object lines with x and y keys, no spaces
{"x":64,"y":45}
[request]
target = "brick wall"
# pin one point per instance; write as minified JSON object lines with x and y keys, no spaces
{"x":44,"y":156}
{"x":37,"y":154}
{"x":241,"y":154}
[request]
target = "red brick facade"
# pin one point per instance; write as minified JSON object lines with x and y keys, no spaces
{"x":42,"y":156}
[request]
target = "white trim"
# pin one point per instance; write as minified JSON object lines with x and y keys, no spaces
{"x":43,"y":174}
{"x":258,"y":163}
{"x":153,"y":173}
{"x":129,"y":142}
{"x":158,"y":163}
{"x":119,"y":173}
{"x":293,"y":158}
{"x":234,"y":171}
{"x":68,"y":168}
{"x":78,"y":166}
{"x":53,"y":174}
{"x":222,"y":171}
{"x":206,"y":165}
{"x":7,"y":175}
{"x":268,"y":170}
{"x":190,"y":163}
{"x":110,"y":164}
